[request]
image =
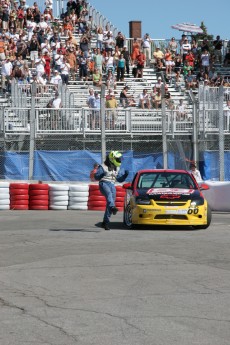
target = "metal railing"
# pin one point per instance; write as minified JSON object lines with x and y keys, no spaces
{"x":117,"y":121}
{"x":21,"y":95}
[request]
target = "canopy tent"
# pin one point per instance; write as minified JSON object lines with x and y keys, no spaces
{"x":187,"y":27}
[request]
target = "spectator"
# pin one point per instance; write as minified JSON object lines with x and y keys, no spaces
{"x":98,"y":60}
{"x":173,"y":46}
{"x":190,"y":58}
{"x":6,"y":74}
{"x":97,"y":78}
{"x":40,"y":65}
{"x":218,"y":44}
{"x":111,"y":113}
{"x":144,"y":101}
{"x":126,"y":55}
{"x":181,"y":111}
{"x":186,"y":48}
{"x":168,"y":62}
{"x":65,"y":70}
{"x":109,"y":43}
{"x":195,"y":172}
{"x":92,"y":172}
{"x":124,"y":97}
{"x":83,"y":67}
{"x":157,"y":99}
{"x":56,"y":104}
{"x":187,"y":67}
{"x":109,"y":62}
{"x":227,"y":59}
{"x":100,"y":38}
{"x":158,"y":54}
{"x":120,"y":40}
{"x":56,"y":79}
{"x":71,"y":58}
{"x":205,"y":61}
{"x":116,"y":55}
{"x":146,"y":46}
{"x":111,"y":80}
{"x":121,"y":68}
{"x":140,"y":64}
{"x":135,"y":50}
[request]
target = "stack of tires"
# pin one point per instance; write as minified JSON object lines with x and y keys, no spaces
{"x":58,"y":196}
{"x":120,"y":196}
{"x":96,"y":200}
{"x":39,"y":196}
{"x":78,"y":197}
{"x":4,"y":196}
{"x":19,"y":196}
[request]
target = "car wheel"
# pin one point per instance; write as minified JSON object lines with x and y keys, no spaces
{"x":209,"y":219}
{"x":127,"y":217}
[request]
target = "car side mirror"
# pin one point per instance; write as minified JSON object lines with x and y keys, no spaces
{"x":204,"y":186}
{"x":127,"y":185}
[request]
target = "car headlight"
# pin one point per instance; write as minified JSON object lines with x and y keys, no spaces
{"x":197,"y":202}
{"x":142,"y":201}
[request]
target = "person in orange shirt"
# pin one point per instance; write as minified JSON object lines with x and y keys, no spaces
{"x":92,"y":172}
{"x":168,"y":61}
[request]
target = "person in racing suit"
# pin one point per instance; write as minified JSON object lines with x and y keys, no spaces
{"x":107,"y":174}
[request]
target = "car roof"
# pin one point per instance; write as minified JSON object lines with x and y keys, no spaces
{"x":163,"y":170}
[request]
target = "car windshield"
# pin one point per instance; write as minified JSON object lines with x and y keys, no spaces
{"x":166,"y":180}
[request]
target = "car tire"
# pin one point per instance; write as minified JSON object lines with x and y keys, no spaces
{"x":127,"y":217}
{"x":209,"y":219}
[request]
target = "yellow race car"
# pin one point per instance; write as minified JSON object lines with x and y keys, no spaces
{"x":166,"y":197}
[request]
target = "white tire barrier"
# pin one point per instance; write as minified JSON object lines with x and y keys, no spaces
{"x":78,"y":197}
{"x":58,"y":197}
{"x":54,"y":207}
{"x":78,"y":207}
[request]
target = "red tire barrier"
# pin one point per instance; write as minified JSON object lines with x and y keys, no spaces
{"x":39,"y":192}
{"x":19,"y":186}
{"x":96,"y":198}
{"x":17,"y":191}
{"x":39,"y":186}
{"x":19,"y":197}
{"x":96,"y":203}
{"x":39,"y":196}
{"x":93,"y":187}
{"x":19,"y":207}
{"x":39,"y":202}
{"x":41,"y":208}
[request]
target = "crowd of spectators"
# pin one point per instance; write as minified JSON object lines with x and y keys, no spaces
{"x":35,"y":46}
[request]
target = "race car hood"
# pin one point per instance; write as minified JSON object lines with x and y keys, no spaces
{"x":176,"y":194}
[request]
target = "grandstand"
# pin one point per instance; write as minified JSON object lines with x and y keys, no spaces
{"x":24,"y":107}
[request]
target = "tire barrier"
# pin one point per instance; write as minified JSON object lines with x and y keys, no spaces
{"x":78,"y":197}
{"x":120,"y":197}
{"x":19,"y":196}
{"x":58,"y":196}
{"x":4,"y":196}
{"x":96,"y":201}
{"x":39,"y":196}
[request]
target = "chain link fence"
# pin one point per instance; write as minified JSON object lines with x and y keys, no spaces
{"x":204,"y":137}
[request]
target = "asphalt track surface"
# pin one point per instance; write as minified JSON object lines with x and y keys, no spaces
{"x":65,"y":281}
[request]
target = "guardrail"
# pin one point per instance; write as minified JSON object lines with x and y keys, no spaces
{"x":117,"y":121}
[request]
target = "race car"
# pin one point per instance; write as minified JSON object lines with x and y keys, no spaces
{"x":166,"y":197}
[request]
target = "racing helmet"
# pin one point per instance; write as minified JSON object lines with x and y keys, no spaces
{"x":115,"y":158}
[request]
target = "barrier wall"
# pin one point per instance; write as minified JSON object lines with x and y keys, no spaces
{"x":41,"y":196}
{"x":218,"y":195}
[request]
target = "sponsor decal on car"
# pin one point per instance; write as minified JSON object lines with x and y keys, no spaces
{"x":176,"y":211}
{"x":169,"y":191}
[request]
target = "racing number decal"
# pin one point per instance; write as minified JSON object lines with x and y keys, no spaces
{"x":191,"y":211}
